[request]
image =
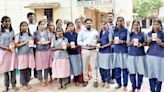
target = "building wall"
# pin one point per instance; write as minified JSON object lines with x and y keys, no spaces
{"x":68,"y":10}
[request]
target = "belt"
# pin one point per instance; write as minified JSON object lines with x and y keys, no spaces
{"x":90,"y":49}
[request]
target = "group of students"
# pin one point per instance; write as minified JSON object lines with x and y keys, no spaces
{"x":61,"y":54}
{"x":127,"y":50}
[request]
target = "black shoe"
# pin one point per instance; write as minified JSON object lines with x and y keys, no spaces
{"x":95,"y":84}
{"x":85,"y":83}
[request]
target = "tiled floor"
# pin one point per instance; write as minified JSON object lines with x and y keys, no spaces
{"x":72,"y":88}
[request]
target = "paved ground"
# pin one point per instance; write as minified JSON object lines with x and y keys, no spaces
{"x":72,"y":88}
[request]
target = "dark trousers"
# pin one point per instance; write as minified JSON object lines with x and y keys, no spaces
{"x":50,"y":71}
{"x":10,"y":79}
{"x":105,"y":75}
{"x":155,"y":85}
{"x":25,"y":75}
{"x":112,"y":75}
{"x":133,"y":80}
{"x":118,"y":76}
{"x":76,"y":78}
{"x":39,"y":74}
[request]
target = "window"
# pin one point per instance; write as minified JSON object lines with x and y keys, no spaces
{"x":49,"y":14}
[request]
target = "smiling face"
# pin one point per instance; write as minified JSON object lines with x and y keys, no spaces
{"x":136,"y":26}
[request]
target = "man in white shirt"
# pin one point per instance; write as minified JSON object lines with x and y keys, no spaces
{"x":87,"y":39}
{"x":32,"y":27}
{"x":31,"y":21}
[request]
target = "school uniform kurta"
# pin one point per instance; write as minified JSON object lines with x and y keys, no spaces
{"x":136,"y":56}
{"x":120,"y":57}
{"x":42,"y":51}
{"x":25,"y":53}
{"x":8,"y":60}
{"x":120,"y":50}
{"x":154,"y":58}
{"x":105,"y":54}
{"x":61,"y":64}
{"x":74,"y":54}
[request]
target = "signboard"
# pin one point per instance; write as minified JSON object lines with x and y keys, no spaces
{"x":94,"y":2}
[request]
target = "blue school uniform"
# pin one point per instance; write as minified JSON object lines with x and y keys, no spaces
{"x":120,"y":56}
{"x":154,"y":63}
{"x":74,"y":54}
{"x":136,"y":60}
{"x":105,"y":56}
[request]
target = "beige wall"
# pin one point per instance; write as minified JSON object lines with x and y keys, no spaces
{"x":15,"y":9}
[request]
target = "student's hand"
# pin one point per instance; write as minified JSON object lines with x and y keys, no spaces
{"x":8,"y":49}
{"x":131,"y":42}
{"x":25,"y":42}
{"x":140,"y":45}
{"x":76,"y":47}
{"x":121,"y":41}
{"x":159,"y":42}
{"x":99,"y":47}
{"x":149,"y":40}
{"x":61,"y":49}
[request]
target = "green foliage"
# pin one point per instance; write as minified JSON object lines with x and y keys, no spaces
{"x":145,"y":8}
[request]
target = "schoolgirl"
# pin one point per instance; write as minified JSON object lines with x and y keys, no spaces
{"x":105,"y":54}
{"x":120,"y":51}
{"x":61,"y":64}
{"x":8,"y":62}
{"x":42,"y":54}
{"x":155,"y":57}
{"x":25,"y":43}
{"x":74,"y":52}
{"x":136,"y":56}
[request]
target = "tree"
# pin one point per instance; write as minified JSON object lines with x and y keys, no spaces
{"x":145,"y":8}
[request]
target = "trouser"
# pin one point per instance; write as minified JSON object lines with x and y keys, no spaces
{"x":39,"y":74}
{"x":105,"y":75}
{"x":112,"y":72}
{"x":155,"y":85}
{"x":118,"y":76}
{"x":133,"y":80}
{"x":50,"y":71}
{"x":25,"y":76}
{"x":11,"y":78}
{"x":89,"y":57}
